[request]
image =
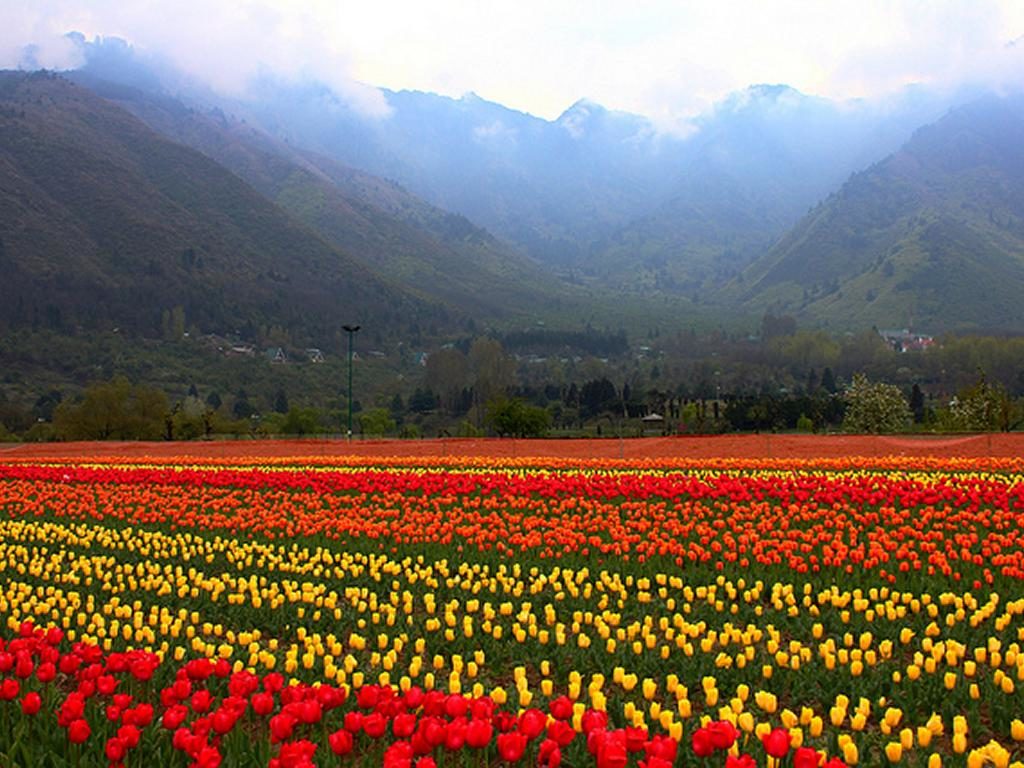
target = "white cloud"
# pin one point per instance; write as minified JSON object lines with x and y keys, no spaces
{"x":663,"y":58}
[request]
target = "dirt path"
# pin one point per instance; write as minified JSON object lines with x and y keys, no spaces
{"x":733,"y":446}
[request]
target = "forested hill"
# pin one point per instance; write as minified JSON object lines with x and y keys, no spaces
{"x":437,"y":254}
{"x":104,"y":223}
{"x":931,"y":236}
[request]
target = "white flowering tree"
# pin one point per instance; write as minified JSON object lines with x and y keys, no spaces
{"x":982,"y":407}
{"x":875,"y":407}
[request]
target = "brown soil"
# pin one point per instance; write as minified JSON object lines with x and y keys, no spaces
{"x":723,"y":446}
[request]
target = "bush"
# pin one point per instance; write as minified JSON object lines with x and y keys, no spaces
{"x":515,"y":418}
{"x":875,"y":408}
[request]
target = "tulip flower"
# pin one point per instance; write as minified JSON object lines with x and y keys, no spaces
{"x":512,"y":746}
{"x":776,"y":743}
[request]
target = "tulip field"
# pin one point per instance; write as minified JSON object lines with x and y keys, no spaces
{"x":429,"y":611}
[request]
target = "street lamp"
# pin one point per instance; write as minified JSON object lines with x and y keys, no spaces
{"x":351,"y":331}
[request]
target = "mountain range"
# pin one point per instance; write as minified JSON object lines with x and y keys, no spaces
{"x":931,"y":234}
{"x":124,"y":178}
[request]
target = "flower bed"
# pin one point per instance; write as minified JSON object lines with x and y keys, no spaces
{"x":419,"y":611}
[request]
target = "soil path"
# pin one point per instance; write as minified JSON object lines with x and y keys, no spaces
{"x":731,"y":446}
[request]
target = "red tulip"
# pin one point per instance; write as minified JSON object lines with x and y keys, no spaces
{"x":532,"y":723}
{"x":433,"y":730}
{"x":310,"y":711}
{"x":174,"y":716}
{"x":129,"y":735}
{"x":79,"y":731}
{"x":662,"y":746}
{"x":201,"y":701}
{"x":262,"y":703}
{"x":115,"y":750}
{"x":281,"y":726}
{"x":341,"y":742}
{"x":740,"y":761}
{"x":593,"y":719}
{"x":723,"y":734}
{"x":561,"y":733}
{"x":611,"y":752}
{"x":403,"y":725}
{"x":550,"y":754}
{"x":398,"y":755}
{"x":375,"y":725}
{"x":455,"y":706}
{"x":635,"y":739}
{"x":223,"y":721}
{"x":805,"y":757}
{"x":31,"y":703}
{"x":455,"y":735}
{"x":208,"y":757}
{"x":561,"y":708}
{"x":776,"y":743}
{"x":23,"y":666}
{"x":701,"y":743}
{"x":479,"y":733}
{"x":512,"y":746}
{"x":46,"y":672}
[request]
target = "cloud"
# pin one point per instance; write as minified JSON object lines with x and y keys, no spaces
{"x":225,"y":44}
{"x":661,"y":58}
{"x":496,"y":135}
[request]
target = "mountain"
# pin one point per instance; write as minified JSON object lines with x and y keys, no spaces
{"x":551,"y":188}
{"x":932,"y":235}
{"x":597,"y":195}
{"x":752,"y":167}
{"x":438,"y":254}
{"x":104,"y":223}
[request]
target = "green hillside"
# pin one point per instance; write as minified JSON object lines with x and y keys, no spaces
{"x":932,"y":236}
{"x":435,"y":253}
{"x":104,"y":223}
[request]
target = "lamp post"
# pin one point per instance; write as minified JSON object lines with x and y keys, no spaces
{"x":351,"y":331}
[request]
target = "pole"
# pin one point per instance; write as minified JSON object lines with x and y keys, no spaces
{"x":351,"y":331}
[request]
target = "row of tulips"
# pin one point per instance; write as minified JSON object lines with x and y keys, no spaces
{"x":897,"y":525}
{"x":400,"y":579}
{"x":108,"y":713}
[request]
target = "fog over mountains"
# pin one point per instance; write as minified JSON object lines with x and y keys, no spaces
{"x":845,"y":215}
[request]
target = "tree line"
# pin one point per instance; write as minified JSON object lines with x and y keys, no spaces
{"x":780,"y":379}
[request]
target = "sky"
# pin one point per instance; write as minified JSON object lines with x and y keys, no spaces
{"x":664,"y":59}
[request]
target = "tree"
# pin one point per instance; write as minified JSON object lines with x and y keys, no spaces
{"x":422,"y":401}
{"x":828,"y":381}
{"x":875,"y":408}
{"x":113,"y":410}
{"x":214,"y":400}
{"x":773,"y":326}
{"x":447,"y":373}
{"x":513,"y":417}
{"x":492,"y":370}
{"x":376,"y":421}
{"x":982,"y":407}
{"x":597,"y":396}
{"x":917,"y":406}
{"x":301,"y":421}
{"x":281,"y":401}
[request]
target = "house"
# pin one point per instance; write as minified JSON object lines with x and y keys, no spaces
{"x":653,"y":423}
{"x":314,"y":355}
{"x":276,"y":355}
{"x":903,"y":340}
